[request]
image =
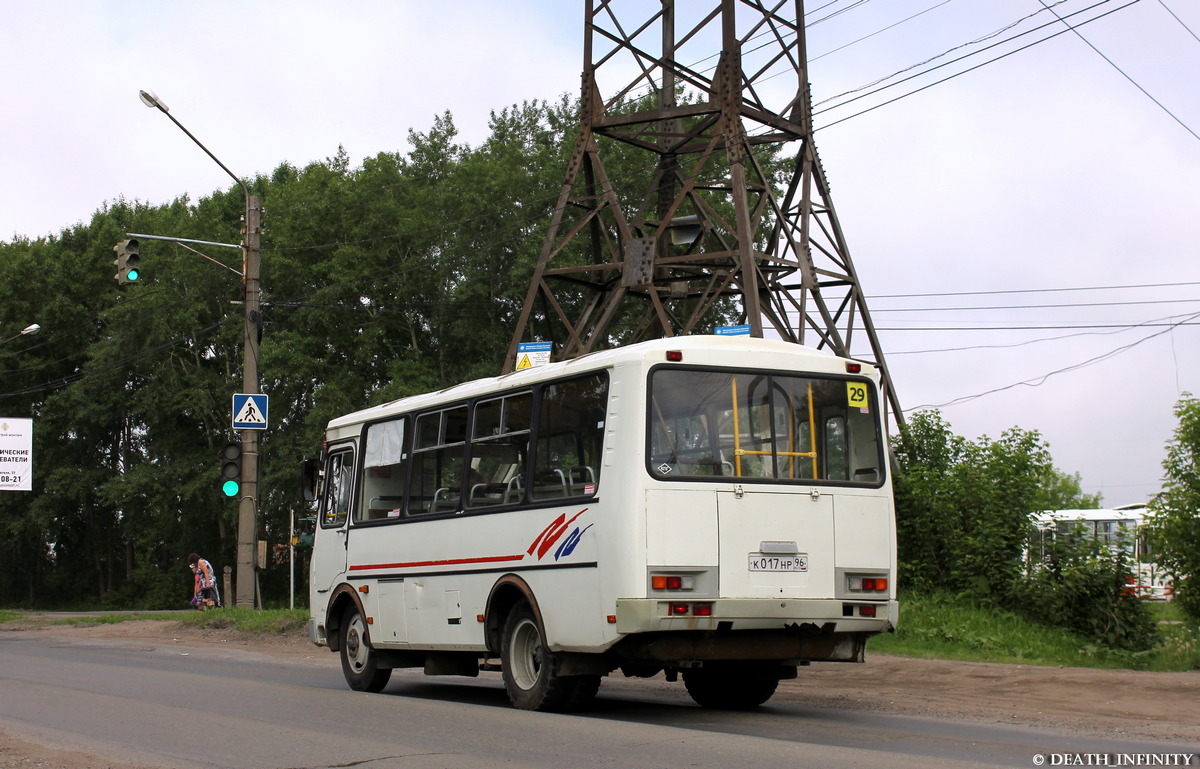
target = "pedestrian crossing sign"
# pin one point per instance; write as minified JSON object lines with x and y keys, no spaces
{"x":249,"y":411}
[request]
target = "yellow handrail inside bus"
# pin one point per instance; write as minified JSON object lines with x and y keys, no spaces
{"x":739,"y":452}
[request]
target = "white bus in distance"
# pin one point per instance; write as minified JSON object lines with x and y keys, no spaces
{"x":1119,"y":528}
{"x":714,"y":507}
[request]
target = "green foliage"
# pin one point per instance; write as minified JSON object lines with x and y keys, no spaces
{"x":941,"y":625}
{"x":1083,"y":585}
{"x":402,"y":275}
{"x":962,"y":507}
{"x":274,"y":622}
{"x":1174,"y":527}
{"x":1059,"y":491}
{"x":963,"y":518}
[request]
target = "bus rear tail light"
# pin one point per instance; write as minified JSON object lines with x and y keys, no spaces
{"x":672,"y":582}
{"x":877,"y":584}
{"x":682,"y":609}
{"x":675,"y":356}
{"x":859,"y":610}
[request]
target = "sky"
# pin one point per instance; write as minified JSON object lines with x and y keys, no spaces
{"x":1052,"y":193}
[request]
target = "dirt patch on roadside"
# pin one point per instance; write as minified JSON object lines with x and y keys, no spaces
{"x":1112,"y":703}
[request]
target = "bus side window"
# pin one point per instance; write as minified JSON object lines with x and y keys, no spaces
{"x":570,"y":437}
{"x":335,"y":501}
{"x":499,"y":445}
{"x":438,"y":460}
{"x":385,"y":465}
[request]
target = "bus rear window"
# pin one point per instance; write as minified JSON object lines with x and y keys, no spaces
{"x":759,"y":425}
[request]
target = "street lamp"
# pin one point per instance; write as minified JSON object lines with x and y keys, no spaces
{"x":32,"y":328}
{"x":251,"y":279}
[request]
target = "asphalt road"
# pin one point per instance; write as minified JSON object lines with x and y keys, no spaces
{"x":231,"y":708}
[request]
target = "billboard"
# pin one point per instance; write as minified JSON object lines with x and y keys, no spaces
{"x":16,"y":454}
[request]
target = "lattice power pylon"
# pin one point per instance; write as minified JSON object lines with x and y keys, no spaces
{"x":701,"y":97}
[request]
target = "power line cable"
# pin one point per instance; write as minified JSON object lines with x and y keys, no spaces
{"x":1032,"y":290}
{"x":1027,"y":342}
{"x":1043,"y":327}
{"x":878,"y":31}
{"x":1185,"y":26}
{"x":1040,"y":380}
{"x":951,"y":76}
{"x":1034,"y":306}
{"x":1124,"y":74}
{"x":947,"y":52}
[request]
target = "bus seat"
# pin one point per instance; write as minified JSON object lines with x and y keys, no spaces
{"x":515,"y":490}
{"x":548,"y":483}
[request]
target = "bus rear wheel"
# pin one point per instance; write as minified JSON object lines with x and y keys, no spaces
{"x":729,"y":688}
{"x":360,"y":663}
{"x":529,"y":668}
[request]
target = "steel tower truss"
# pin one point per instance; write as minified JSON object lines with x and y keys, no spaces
{"x":701,"y":93}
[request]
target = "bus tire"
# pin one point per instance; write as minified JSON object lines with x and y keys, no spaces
{"x":728,"y":689}
{"x":529,"y":667}
{"x":360,"y":663}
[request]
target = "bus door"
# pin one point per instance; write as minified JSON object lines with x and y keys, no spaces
{"x":328,"y":565}
{"x":378,"y":543}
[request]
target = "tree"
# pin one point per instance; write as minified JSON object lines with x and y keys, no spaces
{"x":403,"y":275}
{"x":963,"y":523}
{"x":1062,"y":491}
{"x":962,"y":507}
{"x":1174,"y":527}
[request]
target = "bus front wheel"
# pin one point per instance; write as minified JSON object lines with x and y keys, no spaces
{"x":529,"y":668}
{"x":360,"y":663}
{"x":729,"y":688}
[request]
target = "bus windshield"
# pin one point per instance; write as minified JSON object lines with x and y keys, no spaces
{"x":759,"y":425}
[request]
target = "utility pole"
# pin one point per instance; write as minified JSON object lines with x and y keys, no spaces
{"x":247,"y":545}
{"x":247,"y":536}
{"x":708,"y":235}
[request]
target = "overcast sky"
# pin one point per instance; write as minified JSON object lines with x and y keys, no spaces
{"x":1066,"y":166}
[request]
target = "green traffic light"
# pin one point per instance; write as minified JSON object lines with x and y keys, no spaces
{"x":131,"y":276}
{"x":231,"y":488}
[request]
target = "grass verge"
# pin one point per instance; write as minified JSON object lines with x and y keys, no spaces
{"x":264,"y":622}
{"x":943,"y":626}
{"x":260,"y":622}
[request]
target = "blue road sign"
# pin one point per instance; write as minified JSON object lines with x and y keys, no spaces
{"x":249,"y":412}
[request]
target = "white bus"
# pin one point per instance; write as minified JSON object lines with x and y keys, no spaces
{"x":1119,"y":528}
{"x":716,"y":507}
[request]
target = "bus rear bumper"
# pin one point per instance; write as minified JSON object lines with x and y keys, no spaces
{"x":749,"y":629}
{"x":650,"y":615}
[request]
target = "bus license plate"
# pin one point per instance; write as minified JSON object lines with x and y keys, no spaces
{"x":797,"y":562}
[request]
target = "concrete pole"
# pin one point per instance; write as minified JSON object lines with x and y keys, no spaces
{"x":247,"y":543}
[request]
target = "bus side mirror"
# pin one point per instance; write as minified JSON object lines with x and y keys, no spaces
{"x":310,"y":475}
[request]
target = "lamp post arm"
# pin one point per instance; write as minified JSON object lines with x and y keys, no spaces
{"x":182,"y":127}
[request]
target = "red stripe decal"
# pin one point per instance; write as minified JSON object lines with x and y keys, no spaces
{"x":447,"y":562}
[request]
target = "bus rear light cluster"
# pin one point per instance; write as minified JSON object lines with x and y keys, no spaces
{"x":683,"y":609}
{"x":878,"y":584}
{"x":672,"y":582}
{"x":858,"y":609}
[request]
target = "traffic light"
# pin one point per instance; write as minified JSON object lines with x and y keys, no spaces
{"x":127,"y":261}
{"x":231,"y":469}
